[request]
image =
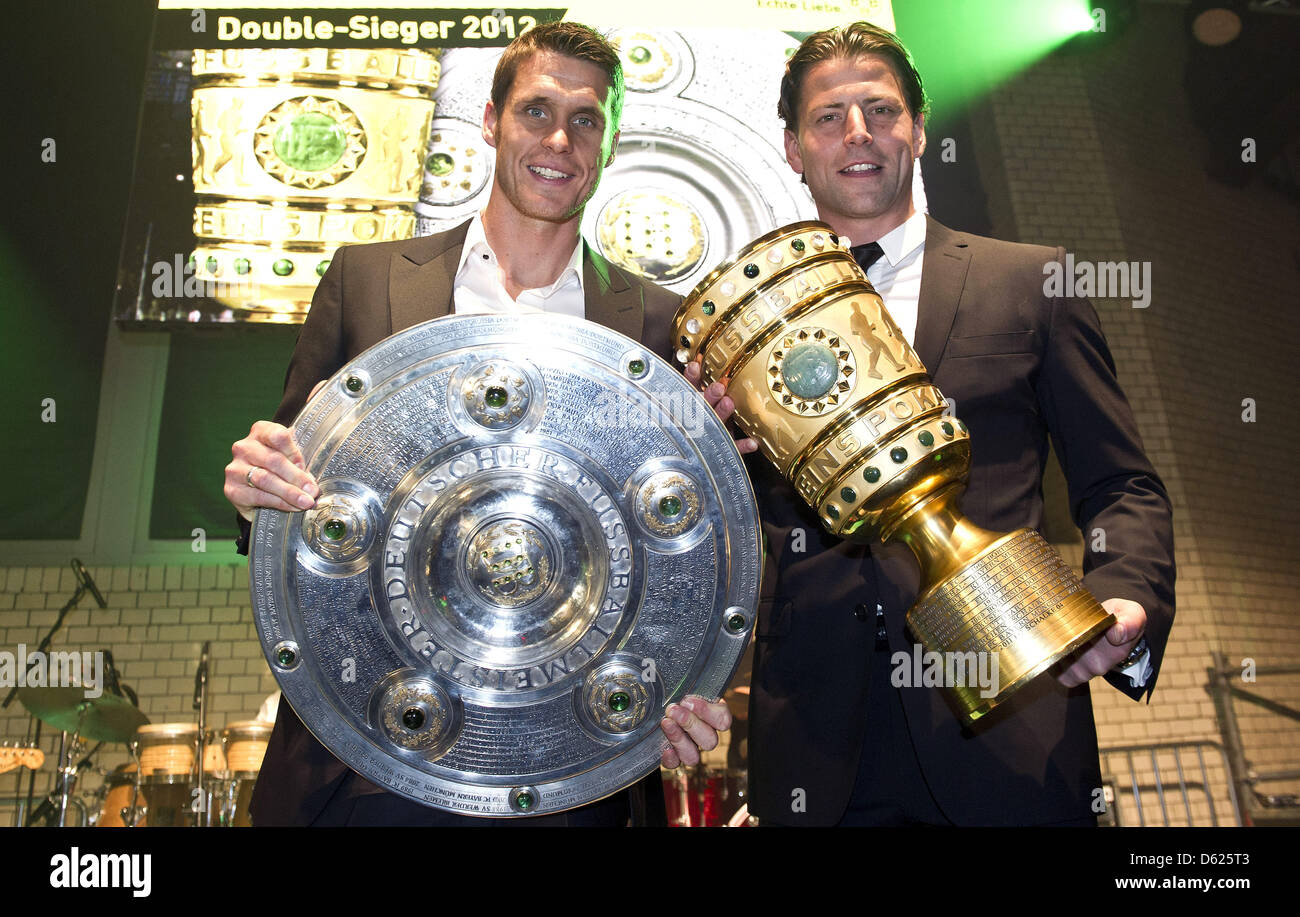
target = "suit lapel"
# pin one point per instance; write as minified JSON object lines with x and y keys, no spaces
{"x":611,"y":300}
{"x":943,"y":278}
{"x":421,"y":278}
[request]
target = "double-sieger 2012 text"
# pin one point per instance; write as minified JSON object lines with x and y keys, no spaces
{"x":373,"y":28}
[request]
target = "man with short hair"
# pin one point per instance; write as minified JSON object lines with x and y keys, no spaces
{"x":553,"y":121}
{"x":832,"y":739}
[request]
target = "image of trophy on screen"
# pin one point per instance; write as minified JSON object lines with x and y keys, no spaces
{"x":299,"y":151}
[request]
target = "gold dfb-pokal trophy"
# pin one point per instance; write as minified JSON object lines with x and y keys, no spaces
{"x":826,"y":383}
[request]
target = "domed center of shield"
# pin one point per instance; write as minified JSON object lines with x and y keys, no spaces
{"x":809,"y":370}
{"x":510,"y":562}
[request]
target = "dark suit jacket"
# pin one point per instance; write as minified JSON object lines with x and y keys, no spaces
{"x":369,"y":293}
{"x":1021,"y":367}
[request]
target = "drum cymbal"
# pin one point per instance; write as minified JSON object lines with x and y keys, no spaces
{"x":107,"y":718}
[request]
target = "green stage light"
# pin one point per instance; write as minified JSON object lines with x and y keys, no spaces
{"x":965,"y":50}
{"x":1076,"y":18}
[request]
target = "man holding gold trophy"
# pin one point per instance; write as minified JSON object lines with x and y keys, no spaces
{"x":859,"y":443}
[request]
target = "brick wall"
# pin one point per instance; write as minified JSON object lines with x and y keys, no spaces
{"x":1101,"y":157}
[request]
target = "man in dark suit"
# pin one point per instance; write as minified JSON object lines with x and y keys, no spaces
{"x":553,"y":121}
{"x":834,"y":739}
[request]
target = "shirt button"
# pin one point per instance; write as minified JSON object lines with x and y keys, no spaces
{"x":860,"y":611}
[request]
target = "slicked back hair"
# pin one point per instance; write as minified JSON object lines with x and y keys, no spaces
{"x":572,"y":39}
{"x":849,"y":42}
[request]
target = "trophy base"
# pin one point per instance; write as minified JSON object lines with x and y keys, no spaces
{"x":1003,"y":618}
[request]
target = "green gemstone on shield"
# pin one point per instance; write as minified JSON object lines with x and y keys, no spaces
{"x":310,"y":142}
{"x":670,"y":506}
{"x":639,"y":55}
{"x":619,"y":701}
{"x":946,"y":428}
{"x":212,"y":264}
{"x":872,"y":474}
{"x":736,"y":622}
{"x":496,"y":397}
{"x":809,"y":370}
{"x":797,"y":245}
{"x":848,"y":494}
{"x":961,"y":426}
{"x":354,"y":383}
{"x":751,"y":271}
{"x":322,"y":267}
{"x":412,"y":718}
{"x":898,"y":454}
{"x":833,"y":511}
{"x":439,"y":164}
{"x":335,"y":529}
{"x":636,"y":367}
{"x":926,"y":438}
{"x":286,"y":656}
{"x":242,"y":266}
{"x":708,"y":307}
{"x":283,"y":267}
{"x":523,"y":800}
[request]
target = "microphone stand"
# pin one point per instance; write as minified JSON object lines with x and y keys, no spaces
{"x":84,"y":584}
{"x":201,"y":704}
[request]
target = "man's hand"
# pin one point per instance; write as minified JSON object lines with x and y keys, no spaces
{"x":716,"y":396}
{"x":692,"y":727}
{"x":1111,"y":647}
{"x":268,"y":470}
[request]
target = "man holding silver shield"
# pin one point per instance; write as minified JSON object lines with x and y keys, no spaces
{"x":553,"y":121}
{"x":836,"y":735}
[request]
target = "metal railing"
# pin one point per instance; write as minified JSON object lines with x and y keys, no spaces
{"x":1145,"y":792}
{"x":1227,"y":687}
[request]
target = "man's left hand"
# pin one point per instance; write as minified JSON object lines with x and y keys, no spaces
{"x":692,"y":727}
{"x":1111,"y":647}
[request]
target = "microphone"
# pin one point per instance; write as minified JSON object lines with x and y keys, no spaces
{"x":83,"y":577}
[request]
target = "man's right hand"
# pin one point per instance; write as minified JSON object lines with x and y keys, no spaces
{"x":268,"y":470}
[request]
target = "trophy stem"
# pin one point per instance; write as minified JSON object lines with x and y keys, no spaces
{"x":995,"y":609}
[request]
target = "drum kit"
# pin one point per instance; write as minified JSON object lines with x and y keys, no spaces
{"x":162,"y":785}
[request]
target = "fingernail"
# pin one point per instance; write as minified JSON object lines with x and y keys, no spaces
{"x":305,"y":501}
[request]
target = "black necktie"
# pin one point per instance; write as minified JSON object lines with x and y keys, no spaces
{"x":867,"y":255}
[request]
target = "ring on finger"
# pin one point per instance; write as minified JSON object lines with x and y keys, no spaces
{"x":248,"y":476}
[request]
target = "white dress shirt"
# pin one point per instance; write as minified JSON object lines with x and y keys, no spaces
{"x":480,"y":286}
{"x":897,"y":276}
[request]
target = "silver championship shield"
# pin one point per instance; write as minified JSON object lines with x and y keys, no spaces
{"x":532,"y":536}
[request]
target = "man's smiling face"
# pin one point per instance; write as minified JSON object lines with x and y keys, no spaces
{"x":855,"y":144}
{"x":554,"y":136}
